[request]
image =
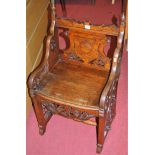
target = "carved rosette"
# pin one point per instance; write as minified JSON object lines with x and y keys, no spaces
{"x":110,"y":106}
{"x":50,"y":108}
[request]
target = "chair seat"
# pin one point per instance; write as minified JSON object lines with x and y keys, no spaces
{"x":74,"y":84}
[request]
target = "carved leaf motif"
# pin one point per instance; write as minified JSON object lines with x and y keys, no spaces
{"x":88,"y":49}
{"x":73,"y":56}
{"x":37,"y":85}
{"x":52,"y":108}
{"x":111,"y":103}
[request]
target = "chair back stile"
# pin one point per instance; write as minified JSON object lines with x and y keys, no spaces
{"x":110,"y":88}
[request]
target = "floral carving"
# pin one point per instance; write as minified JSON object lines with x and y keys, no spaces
{"x":85,"y":49}
{"x":73,"y":56}
{"x":50,"y":108}
{"x":37,"y":85}
{"x":110,"y":105}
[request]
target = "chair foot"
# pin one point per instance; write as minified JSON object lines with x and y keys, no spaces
{"x":100,"y":134}
{"x":42,"y":130}
{"x":99,"y":148}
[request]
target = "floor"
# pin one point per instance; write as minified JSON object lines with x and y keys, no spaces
{"x":67,"y":137}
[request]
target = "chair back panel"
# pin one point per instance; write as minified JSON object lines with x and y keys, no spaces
{"x":87,"y":48}
{"x":85,"y":43}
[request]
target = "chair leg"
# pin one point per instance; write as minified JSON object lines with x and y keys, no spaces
{"x":39,"y":115}
{"x":100,"y":134}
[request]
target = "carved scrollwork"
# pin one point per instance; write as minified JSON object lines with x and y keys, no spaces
{"x":73,"y":56}
{"x":50,"y":108}
{"x":101,"y":60}
{"x":37,"y":85}
{"x":110,"y":105}
{"x":53,"y":44}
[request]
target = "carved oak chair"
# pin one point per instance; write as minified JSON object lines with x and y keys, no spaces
{"x":80,"y":81}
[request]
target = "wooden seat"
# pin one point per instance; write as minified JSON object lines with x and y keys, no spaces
{"x":74,"y":84}
{"x":80,"y":81}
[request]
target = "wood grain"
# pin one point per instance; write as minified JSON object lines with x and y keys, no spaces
{"x":74,"y":84}
{"x":71,"y":86}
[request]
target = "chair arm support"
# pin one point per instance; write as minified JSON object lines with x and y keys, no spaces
{"x":37,"y":74}
{"x":111,"y":83}
{"x":110,"y":90}
{"x":43,"y":68}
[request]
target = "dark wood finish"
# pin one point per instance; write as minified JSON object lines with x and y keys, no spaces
{"x":74,"y":84}
{"x":80,"y":81}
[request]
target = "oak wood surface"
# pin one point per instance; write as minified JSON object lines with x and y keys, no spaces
{"x":74,"y":84}
{"x":80,"y":81}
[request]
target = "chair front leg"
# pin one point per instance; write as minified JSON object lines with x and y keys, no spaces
{"x":100,"y":133}
{"x":39,"y":115}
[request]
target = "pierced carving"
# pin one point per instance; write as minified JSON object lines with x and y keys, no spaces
{"x":85,"y":49}
{"x":51,"y":108}
{"x":73,"y":56}
{"x":110,"y":105}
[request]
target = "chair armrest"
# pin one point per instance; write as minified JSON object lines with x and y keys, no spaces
{"x":36,"y":76}
{"x":42,"y":69}
{"x":110,"y":90}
